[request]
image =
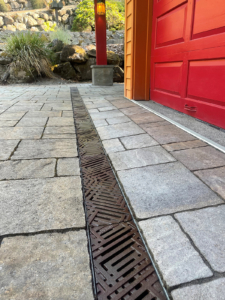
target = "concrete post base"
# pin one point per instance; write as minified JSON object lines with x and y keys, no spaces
{"x":102,"y":75}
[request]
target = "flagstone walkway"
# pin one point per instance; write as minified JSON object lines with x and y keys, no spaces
{"x":174,"y":183}
{"x":43,"y":242}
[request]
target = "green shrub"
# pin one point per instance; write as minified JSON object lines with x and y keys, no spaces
{"x":29,"y":52}
{"x":85,"y":16}
{"x":37,"y":4}
{"x":61,"y":34}
{"x":3,"y":7}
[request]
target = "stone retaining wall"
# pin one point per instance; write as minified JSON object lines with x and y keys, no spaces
{"x":17,"y":5}
{"x":77,"y":38}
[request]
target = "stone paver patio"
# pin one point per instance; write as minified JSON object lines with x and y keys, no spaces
{"x":174,"y":184}
{"x":43,"y":239}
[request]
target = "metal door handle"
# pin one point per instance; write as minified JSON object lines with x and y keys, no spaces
{"x":190,"y":108}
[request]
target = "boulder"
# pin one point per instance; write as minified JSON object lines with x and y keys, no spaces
{"x":56,"y":45}
{"x":1,"y":21}
{"x":65,"y":19}
{"x":84,"y":70}
{"x":65,"y":71}
{"x":18,"y":18}
{"x":62,"y":12}
{"x":15,"y":5}
{"x":31,"y":21}
{"x":44,"y":16}
{"x":10,"y":28}
{"x":20,"y":26}
{"x":34,"y":29}
{"x":91,"y":50}
{"x":40,"y":21}
{"x":20,"y":76}
{"x":3,"y":69}
{"x":112,"y":58}
{"x":35,"y":16}
{"x":73,"y":53}
{"x":8,"y":20}
{"x":118,"y":74}
{"x":4,"y":58}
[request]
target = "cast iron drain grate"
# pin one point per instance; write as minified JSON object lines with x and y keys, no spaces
{"x":122,"y":267}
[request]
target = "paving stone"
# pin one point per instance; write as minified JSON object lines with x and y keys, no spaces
{"x":42,"y":114}
{"x":147,"y":126}
{"x":7,"y":147}
{"x":66,"y":114}
{"x":98,"y":104}
{"x":184,"y":145}
{"x":171,"y":188}
{"x":60,"y":121}
{"x":46,"y":149}
{"x":93,"y":110}
{"x":145,"y":118}
{"x":57,"y":106}
{"x":100,"y":123}
{"x":113,"y":145}
{"x":106,"y":114}
{"x":119,"y":130}
{"x":118,"y":120}
{"x":41,"y":204}
{"x":32,"y":122}
{"x":140,"y":158}
{"x":107,"y":108}
{"x":123,"y":103}
{"x":65,"y":132}
{"x":7,"y":123}
{"x":169,"y":134}
{"x":176,"y":258}
{"x":214,"y":290}
{"x":68,"y":167}
{"x":12,"y":116}
{"x":138,"y":141}
{"x":206,"y":228}
{"x":201,"y":158}
{"x":133,"y":110}
{"x":11,"y":133}
{"x":27,"y":169}
{"x":25,"y":108}
{"x":46,"y":266}
{"x":215,"y":179}
{"x":116,"y":97}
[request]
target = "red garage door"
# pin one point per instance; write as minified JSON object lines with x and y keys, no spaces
{"x":188,"y":57}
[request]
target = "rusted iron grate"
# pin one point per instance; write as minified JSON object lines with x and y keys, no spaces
{"x":122,"y":267}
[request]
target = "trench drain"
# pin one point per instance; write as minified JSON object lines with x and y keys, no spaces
{"x":121,"y":267}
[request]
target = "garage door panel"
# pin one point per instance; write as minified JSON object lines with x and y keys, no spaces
{"x":163,"y":6}
{"x":168,"y":77}
{"x":209,"y":18}
{"x":171,"y":27}
{"x":206,"y":81}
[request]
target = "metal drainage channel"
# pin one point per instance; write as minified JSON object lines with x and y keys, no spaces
{"x":121,"y":266}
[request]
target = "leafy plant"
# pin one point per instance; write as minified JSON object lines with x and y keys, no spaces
{"x":29,"y":52}
{"x":61,"y":34}
{"x":3,"y":7}
{"x":85,"y":16}
{"x":37,"y":4}
{"x":114,"y":18}
{"x":49,"y":26}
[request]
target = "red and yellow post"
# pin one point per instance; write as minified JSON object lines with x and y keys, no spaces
{"x":100,"y":32}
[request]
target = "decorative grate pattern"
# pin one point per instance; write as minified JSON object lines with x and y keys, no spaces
{"x":123,"y":269}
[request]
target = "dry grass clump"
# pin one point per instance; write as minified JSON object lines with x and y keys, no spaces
{"x":29,"y":52}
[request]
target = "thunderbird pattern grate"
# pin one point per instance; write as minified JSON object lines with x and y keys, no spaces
{"x":122,"y":267}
